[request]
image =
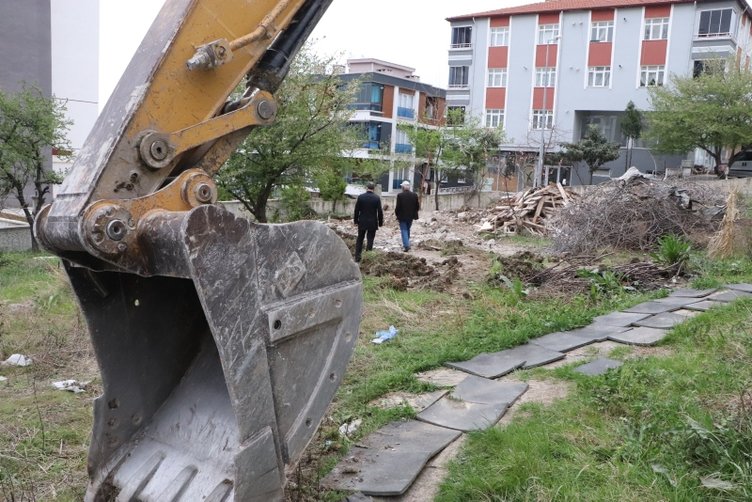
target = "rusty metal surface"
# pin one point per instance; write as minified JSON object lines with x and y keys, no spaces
{"x":214,"y":384}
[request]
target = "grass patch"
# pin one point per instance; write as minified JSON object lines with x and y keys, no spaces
{"x":670,"y":428}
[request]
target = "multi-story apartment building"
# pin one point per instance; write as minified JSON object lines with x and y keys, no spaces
{"x":545,"y":71}
{"x":389,"y":95}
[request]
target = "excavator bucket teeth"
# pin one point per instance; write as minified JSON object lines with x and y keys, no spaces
{"x":216,"y":377}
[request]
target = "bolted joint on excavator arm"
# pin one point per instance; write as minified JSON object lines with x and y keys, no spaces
{"x":220,"y":342}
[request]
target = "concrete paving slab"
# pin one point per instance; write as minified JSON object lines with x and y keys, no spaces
{"x":747,"y":288}
{"x":463,"y":415}
{"x":600,"y":332}
{"x":705,"y":305}
{"x":686,"y":312}
{"x":535,"y":355}
{"x":388,"y":461}
{"x":475,"y":389}
{"x":490,"y":365}
{"x":619,"y":318}
{"x":598,"y":367}
{"x":679,"y":301}
{"x":640,"y":336}
{"x":561,"y":341}
{"x":692,"y":293}
{"x":665,"y":320}
{"x":728,"y":295}
{"x":651,"y":308}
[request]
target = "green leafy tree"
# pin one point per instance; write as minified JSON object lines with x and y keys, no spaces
{"x":631,"y":127}
{"x":594,"y":149}
{"x":458,"y":146}
{"x":31,"y":125}
{"x":311,"y":128}
{"x":331,"y":183}
{"x":711,"y":111}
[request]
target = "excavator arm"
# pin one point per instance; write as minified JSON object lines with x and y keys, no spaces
{"x":220,"y":342}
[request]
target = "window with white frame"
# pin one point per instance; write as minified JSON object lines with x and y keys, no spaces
{"x":406,"y":100}
{"x":494,"y":118}
{"x":652,"y":75}
{"x":656,"y":28}
{"x":497,"y":77}
{"x":545,"y":77}
{"x":499,"y":36}
{"x":717,"y":23}
{"x":602,"y":31}
{"x":401,"y":137}
{"x":599,"y":76}
{"x":548,"y":33}
{"x":458,"y":76}
{"x":543,"y":119}
{"x":462,"y":37}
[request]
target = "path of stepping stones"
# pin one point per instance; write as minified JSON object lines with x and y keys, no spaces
{"x":387,"y":462}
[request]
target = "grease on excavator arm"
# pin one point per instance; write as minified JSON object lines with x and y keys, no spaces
{"x":220,"y":342}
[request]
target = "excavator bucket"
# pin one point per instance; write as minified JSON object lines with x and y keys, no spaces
{"x":217,"y":373}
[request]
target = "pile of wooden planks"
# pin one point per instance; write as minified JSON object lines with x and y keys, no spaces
{"x":528,"y":211}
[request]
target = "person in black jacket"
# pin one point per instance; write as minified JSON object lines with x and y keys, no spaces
{"x":406,"y":210}
{"x":369,"y":217}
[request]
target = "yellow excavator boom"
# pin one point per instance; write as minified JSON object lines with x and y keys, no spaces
{"x":220,"y":342}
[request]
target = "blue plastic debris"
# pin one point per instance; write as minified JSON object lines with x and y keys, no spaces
{"x":383,"y":336}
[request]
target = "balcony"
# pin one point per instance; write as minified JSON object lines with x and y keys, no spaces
{"x":372,"y":145}
{"x":403,"y":148}
{"x":405,"y":113}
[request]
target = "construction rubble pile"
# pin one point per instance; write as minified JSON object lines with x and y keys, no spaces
{"x":528,"y":211}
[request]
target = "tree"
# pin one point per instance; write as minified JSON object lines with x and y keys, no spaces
{"x":331,"y":181}
{"x":631,"y":127}
{"x":710,"y":111}
{"x":459,"y":146}
{"x":469,"y":149}
{"x":310,"y":130}
{"x":31,"y":125}
{"x":594,"y":149}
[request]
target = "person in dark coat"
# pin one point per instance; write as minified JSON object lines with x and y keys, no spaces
{"x":369,"y":217}
{"x":406,"y":210}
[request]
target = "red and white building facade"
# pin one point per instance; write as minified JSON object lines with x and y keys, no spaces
{"x":545,"y":71}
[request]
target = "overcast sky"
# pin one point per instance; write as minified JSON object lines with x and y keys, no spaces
{"x":411,"y":33}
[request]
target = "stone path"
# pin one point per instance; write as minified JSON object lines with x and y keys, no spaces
{"x":387,"y":462}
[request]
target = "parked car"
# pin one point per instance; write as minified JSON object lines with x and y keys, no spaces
{"x":740,"y":164}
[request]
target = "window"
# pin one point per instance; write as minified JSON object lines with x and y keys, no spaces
{"x":497,"y":77}
{"x":599,"y":76}
{"x":370,"y":97}
{"x":717,"y":23}
{"x":455,"y":115}
{"x":499,"y":36}
{"x":495,"y":118}
{"x":709,"y":66}
{"x":462,"y":37}
{"x":545,"y":77}
{"x":602,"y":31}
{"x":405,"y":108}
{"x":402,"y":142}
{"x":458,"y":76}
{"x":543,"y":119}
{"x":548,"y":33}
{"x":656,"y":28}
{"x":652,"y":75}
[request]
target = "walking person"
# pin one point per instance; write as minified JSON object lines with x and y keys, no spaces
{"x":406,"y":210}
{"x":369,"y":217}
